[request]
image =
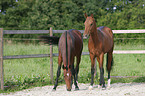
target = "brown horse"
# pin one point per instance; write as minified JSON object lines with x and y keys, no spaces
{"x":100,"y":42}
{"x":70,"y":46}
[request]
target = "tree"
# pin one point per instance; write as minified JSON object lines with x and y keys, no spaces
{"x":68,"y":14}
{"x":5,"y":4}
{"x":14,"y":16}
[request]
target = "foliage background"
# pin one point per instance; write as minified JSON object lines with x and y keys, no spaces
{"x":69,"y":14}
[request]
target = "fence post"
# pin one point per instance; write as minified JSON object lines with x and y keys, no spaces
{"x":1,"y":60}
{"x":51,"y":57}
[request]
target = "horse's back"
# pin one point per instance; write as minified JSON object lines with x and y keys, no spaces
{"x":107,"y":37}
{"x":106,"y":31}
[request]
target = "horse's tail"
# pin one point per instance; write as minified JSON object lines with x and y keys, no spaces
{"x":66,"y":49}
{"x":109,"y":67}
{"x":52,"y":40}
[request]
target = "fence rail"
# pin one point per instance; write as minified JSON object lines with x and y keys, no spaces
{"x":51,"y":55}
{"x":26,"y":32}
{"x":61,"y":31}
{"x":83,"y":53}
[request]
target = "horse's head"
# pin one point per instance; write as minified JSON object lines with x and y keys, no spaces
{"x":89,"y":23}
{"x":67,"y":77}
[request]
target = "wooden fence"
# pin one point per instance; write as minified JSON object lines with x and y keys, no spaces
{"x":51,"y":55}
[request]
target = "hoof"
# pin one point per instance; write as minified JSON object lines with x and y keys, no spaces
{"x":76,"y":89}
{"x":53,"y":89}
{"x":103,"y":88}
{"x":90,"y":87}
{"x":109,"y":81}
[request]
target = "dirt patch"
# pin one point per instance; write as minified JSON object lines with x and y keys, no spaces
{"x":117,"y":89}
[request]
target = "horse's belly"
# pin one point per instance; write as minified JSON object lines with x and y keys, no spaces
{"x":108,"y":45}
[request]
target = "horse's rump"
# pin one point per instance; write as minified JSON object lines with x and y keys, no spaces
{"x":74,"y":44}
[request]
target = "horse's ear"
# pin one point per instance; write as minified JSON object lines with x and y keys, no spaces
{"x":92,"y":15}
{"x":86,"y":15}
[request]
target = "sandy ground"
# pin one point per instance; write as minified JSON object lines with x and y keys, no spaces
{"x":117,"y":89}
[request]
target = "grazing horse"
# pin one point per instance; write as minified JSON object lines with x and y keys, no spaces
{"x":70,"y":46}
{"x":100,"y":42}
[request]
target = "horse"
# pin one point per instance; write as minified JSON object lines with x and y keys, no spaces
{"x":100,"y":42}
{"x":70,"y":46}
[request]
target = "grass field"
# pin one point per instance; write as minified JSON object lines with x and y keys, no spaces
{"x":24,"y":73}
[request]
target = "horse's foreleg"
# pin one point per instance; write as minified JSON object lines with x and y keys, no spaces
{"x":95,"y":68}
{"x":109,"y":65}
{"x":101,"y":71}
{"x":58,"y":71}
{"x":92,"y":57}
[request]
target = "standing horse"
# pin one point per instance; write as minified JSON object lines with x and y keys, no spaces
{"x":70,"y":46}
{"x":100,"y":42}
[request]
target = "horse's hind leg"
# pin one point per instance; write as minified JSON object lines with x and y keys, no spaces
{"x":58,"y":70}
{"x":73,"y":73}
{"x":109,"y":65}
{"x":77,"y":66}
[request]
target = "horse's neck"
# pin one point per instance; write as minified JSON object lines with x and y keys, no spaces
{"x":94,"y":35}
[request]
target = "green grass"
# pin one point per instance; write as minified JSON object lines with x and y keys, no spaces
{"x":25,"y":73}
